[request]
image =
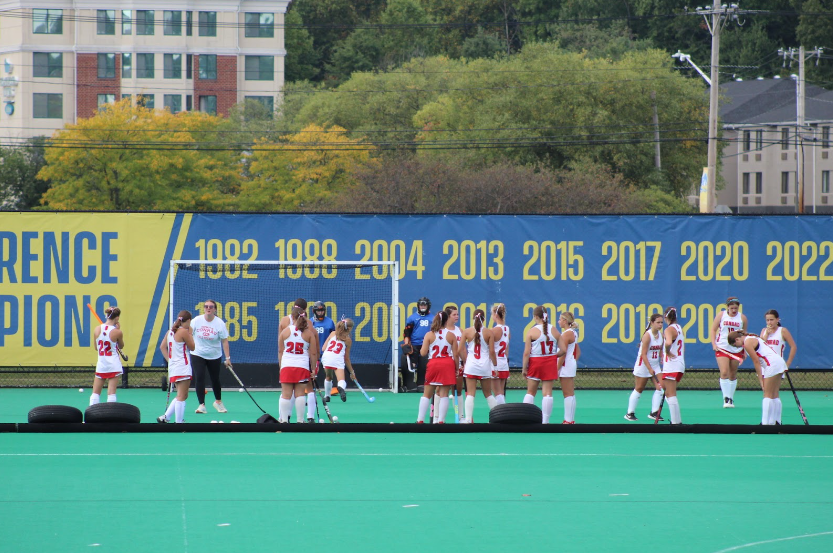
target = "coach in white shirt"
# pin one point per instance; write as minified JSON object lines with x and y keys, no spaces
{"x":210,"y":333}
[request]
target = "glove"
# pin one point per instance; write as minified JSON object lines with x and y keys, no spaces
{"x":407,"y":349}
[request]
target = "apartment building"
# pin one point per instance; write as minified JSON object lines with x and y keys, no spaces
{"x":63,"y":59}
{"x":760,"y":162}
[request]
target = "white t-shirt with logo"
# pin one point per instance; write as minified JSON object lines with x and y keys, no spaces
{"x":208,"y":337}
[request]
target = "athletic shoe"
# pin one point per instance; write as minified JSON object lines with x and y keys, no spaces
{"x":725,"y":402}
{"x":420,"y":422}
{"x":654,"y":416}
{"x":218,"y":405}
{"x":565,"y":422}
{"x":326,"y":399}
{"x":440,"y":422}
{"x":310,"y":420}
{"x":201,"y":409}
{"x":161,"y":419}
{"x":730,"y":403}
{"x":341,"y":393}
{"x":630,"y":417}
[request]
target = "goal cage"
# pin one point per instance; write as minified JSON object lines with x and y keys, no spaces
{"x":253,"y":296}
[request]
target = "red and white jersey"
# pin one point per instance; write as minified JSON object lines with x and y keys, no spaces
{"x":478,"y":362}
{"x":728,"y":324}
{"x":333,"y":355}
{"x":677,"y":363}
{"x":654,"y":352}
{"x":440,"y":346}
{"x":457,"y":332}
{"x":545,"y":345}
{"x":570,"y":356}
{"x":776,"y":342}
{"x":108,"y":356}
{"x":295,"y":349}
{"x":502,"y":348}
{"x":179,"y":357}
{"x":771,"y":361}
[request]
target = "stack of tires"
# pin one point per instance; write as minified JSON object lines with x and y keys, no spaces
{"x":101,"y":412}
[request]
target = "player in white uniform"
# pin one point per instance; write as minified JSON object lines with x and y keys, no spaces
{"x":543,"y":346}
{"x":176,"y":348}
{"x":728,"y":356}
{"x":568,"y":364}
{"x":769,"y":363}
{"x":440,"y":346}
{"x":337,"y":354}
{"x":777,"y":337}
{"x":480,"y":359}
{"x":460,"y":387}
{"x":287,"y":320}
{"x":297,"y":355}
{"x":500,"y":337}
{"x":673,"y":364}
{"x":108,"y":340}
{"x":648,"y":366}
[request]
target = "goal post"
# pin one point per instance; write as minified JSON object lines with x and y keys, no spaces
{"x":253,"y":296}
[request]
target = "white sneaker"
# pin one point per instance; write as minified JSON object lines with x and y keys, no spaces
{"x":218,"y":405}
{"x":201,"y":409}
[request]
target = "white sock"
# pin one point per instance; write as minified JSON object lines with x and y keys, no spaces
{"x":656,"y":399}
{"x":179,"y":410}
{"x":300,"y":407}
{"x":469,"y":408}
{"x":328,"y":387}
{"x":724,"y":387}
{"x":424,"y":402}
{"x":570,"y":408}
{"x":95,"y":399}
{"x":284,"y":409}
{"x":443,"y":409}
{"x":633,"y":401}
{"x":674,"y":407}
{"x":463,"y":407}
{"x":766,"y":407}
{"x":292,"y":398}
{"x":529,"y":398}
{"x":436,"y":409}
{"x":169,"y":412}
{"x":500,"y":399}
{"x":311,"y":405}
{"x":733,"y":385}
{"x":546,"y":407}
{"x":111,"y":398}
{"x":491,"y":402}
{"x":777,"y":404}
{"x":342,"y":384}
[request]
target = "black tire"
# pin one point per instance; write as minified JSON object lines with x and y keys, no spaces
{"x":55,"y":413}
{"x":112,"y":412}
{"x":516,"y":413}
{"x":165,"y":383}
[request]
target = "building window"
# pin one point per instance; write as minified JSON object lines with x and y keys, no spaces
{"x":825,"y":182}
{"x":260,"y":25}
{"x":127,"y":97}
{"x":745,"y":186}
{"x":260,"y":68}
{"x":173,"y":66}
{"x":106,"y":22}
{"x":208,"y":104}
{"x":48,"y":64}
{"x":189,"y":102}
{"x":759,"y":183}
{"x":127,"y":66}
{"x":825,"y":137}
{"x":48,"y":106}
{"x":126,"y":22}
{"x":173,"y":23}
{"x":785,"y":138}
{"x":747,"y":141}
{"x":173,"y":102}
{"x":268,"y":102}
{"x":145,"y":100}
{"x":144,"y":66}
{"x":104,"y":99}
{"x":144,"y":22}
{"x":785,"y":182}
{"x":48,"y":22}
{"x":107,"y":66}
{"x":189,"y":66}
{"x":208,"y":66}
{"x":759,"y":140}
{"x":208,"y":23}
{"x":189,"y":23}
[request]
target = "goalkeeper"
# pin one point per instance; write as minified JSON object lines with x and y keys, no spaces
{"x":324,"y":326}
{"x":413,"y":365}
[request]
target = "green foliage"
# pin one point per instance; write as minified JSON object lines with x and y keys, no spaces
{"x":302,"y":61}
{"x":481,"y":45}
{"x":19,"y":186}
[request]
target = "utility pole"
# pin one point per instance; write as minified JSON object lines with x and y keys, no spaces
{"x":657,"y":151}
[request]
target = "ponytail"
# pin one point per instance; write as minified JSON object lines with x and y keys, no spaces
{"x":300,"y":315}
{"x":541,"y":313}
{"x":183,"y":317}
{"x":499,"y":309}
{"x":479,"y":315}
{"x":343,"y":328}
{"x":671,"y":314}
{"x":439,"y":321}
{"x":112,"y":312}
{"x":571,"y":320}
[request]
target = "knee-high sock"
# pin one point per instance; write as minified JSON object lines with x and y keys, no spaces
{"x":95,"y":398}
{"x":111,"y":398}
{"x":656,"y":399}
{"x":462,"y":402}
{"x":180,"y":411}
{"x":570,"y":408}
{"x":725,"y":388}
{"x":674,"y":407}
{"x":342,"y":384}
{"x":284,"y":409}
{"x":424,"y":402}
{"x":500,"y":399}
{"x":436,"y":409}
{"x":491,"y":402}
{"x":311,"y":404}
{"x":443,"y":408}
{"x":766,"y":409}
{"x":328,"y":387}
{"x":546,"y":408}
{"x":469,"y":408}
{"x":633,"y":401}
{"x":169,"y":412}
{"x":777,"y":404}
{"x":300,"y":404}
{"x":529,"y":398}
{"x":733,"y":385}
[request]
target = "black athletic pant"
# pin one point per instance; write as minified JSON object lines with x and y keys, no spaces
{"x":198,"y":365}
{"x":411,"y":380}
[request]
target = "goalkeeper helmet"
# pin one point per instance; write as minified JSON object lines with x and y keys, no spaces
{"x":319,"y":310}
{"x":423,"y":305}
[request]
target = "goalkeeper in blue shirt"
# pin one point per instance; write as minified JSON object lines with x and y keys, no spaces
{"x":416,"y":326}
{"x":323,"y":325}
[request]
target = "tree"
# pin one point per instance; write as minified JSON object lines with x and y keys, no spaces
{"x":481,"y":45}
{"x":19,"y":165}
{"x":301,"y":61}
{"x":132,"y":158}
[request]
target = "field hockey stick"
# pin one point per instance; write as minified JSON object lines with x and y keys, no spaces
{"x":320,"y":393}
{"x":237,"y":378}
{"x":359,"y":386}
{"x":97,"y":318}
{"x":795,"y":395}
{"x":661,"y":403}
{"x":456,"y":410}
